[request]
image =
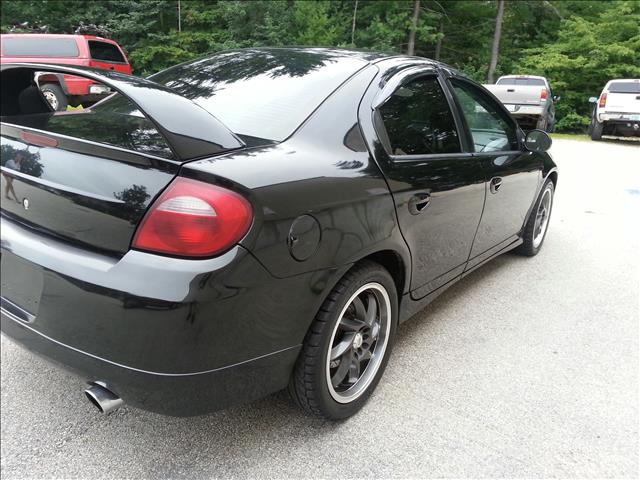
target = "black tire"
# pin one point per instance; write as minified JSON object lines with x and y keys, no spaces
{"x":309,"y":383}
{"x":55,"y":96}
{"x":542,"y":124}
{"x":595,"y":130}
{"x":531,"y":243}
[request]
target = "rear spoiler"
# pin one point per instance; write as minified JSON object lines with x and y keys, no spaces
{"x":190,"y":130}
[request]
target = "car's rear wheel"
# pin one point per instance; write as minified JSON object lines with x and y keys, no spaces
{"x":596,"y":129}
{"x":542,"y":124}
{"x":55,"y":96}
{"x":347,"y":347}
{"x":536,"y":228}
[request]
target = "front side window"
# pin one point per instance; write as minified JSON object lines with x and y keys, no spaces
{"x":418,"y":120}
{"x":490,"y":127}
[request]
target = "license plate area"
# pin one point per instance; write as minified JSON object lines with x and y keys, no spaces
{"x":21,"y":284}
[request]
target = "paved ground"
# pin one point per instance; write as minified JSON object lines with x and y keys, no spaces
{"x":527,"y":368}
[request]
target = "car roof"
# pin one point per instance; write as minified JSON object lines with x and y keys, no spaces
{"x":522,"y":76}
{"x":55,"y":35}
{"x":337,"y":53}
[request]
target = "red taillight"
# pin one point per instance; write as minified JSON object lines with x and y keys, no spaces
{"x":543,"y":95}
{"x":193,"y":219}
{"x":603,"y":100}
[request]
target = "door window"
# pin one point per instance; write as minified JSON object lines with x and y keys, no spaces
{"x":418,"y":120}
{"x":491,"y":128}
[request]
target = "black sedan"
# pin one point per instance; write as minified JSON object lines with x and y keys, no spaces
{"x":254,"y":220}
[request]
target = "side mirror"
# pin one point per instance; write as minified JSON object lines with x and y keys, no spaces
{"x":537,"y":141}
{"x":593,"y":99}
{"x":556,"y":98}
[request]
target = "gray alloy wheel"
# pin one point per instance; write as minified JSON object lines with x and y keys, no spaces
{"x":535,"y":230}
{"x":542,"y":218}
{"x":358,"y":342}
{"x":347,"y":346}
{"x":55,"y":96}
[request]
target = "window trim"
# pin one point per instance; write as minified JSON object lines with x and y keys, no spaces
{"x":402,"y":78}
{"x":507,"y":117}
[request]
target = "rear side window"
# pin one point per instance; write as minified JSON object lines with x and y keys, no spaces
{"x":624,"y":87}
{"x":105,"y":52}
{"x":531,"y":82}
{"x":39,"y":47}
{"x":418,"y":120}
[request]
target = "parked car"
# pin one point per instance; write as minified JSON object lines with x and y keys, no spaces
{"x":529,"y":99}
{"x":183,"y":262}
{"x":80,"y":50}
{"x":617,"y":110}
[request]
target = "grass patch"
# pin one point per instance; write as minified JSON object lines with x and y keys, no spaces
{"x":571,"y":136}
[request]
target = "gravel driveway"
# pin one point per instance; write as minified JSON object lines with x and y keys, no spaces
{"x":527,"y":368}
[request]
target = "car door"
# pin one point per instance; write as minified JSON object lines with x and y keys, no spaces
{"x":437,"y":186}
{"x":513,"y":174}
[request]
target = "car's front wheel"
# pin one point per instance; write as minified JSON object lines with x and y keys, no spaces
{"x":347,"y":347}
{"x":536,"y":228}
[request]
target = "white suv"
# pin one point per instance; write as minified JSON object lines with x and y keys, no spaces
{"x":617,"y":110}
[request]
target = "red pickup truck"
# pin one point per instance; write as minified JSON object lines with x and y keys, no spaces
{"x":83,"y":50}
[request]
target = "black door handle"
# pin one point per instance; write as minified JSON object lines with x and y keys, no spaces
{"x":419,"y":202}
{"x":495,"y":184}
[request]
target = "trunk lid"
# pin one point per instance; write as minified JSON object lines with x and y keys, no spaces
{"x":88,"y":176}
{"x":517,"y":94}
{"x":88,"y":198}
{"x":623,"y":103}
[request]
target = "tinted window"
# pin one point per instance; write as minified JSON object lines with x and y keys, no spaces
{"x":40,"y":47}
{"x":106,"y":52}
{"x":418,"y":119}
{"x":624,"y":87}
{"x":123,"y":126}
{"x":262,"y":93}
{"x":490,"y":126}
{"x":521,"y":81}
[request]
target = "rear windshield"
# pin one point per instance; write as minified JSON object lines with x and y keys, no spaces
{"x":105,"y":52}
{"x":532,"y":82}
{"x":624,"y":87}
{"x":124,"y":127}
{"x":39,"y":47}
{"x":261,"y":93}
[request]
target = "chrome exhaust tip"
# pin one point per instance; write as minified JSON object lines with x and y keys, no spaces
{"x":102,"y":398}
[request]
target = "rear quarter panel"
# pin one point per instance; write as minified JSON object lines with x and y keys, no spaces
{"x":323,"y":170}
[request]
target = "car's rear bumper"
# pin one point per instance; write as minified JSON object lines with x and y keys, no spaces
{"x":621,"y":126}
{"x":169,"y":394}
{"x":521,"y":110}
{"x":176,"y":336}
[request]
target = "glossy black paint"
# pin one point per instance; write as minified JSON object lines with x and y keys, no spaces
{"x":87,"y":199}
{"x":188,"y":336}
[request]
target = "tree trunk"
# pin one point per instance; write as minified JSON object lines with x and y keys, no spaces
{"x":411,"y":44}
{"x":496,"y":42}
{"x":179,"y":18}
{"x":439,"y":43}
{"x":353,"y":23}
